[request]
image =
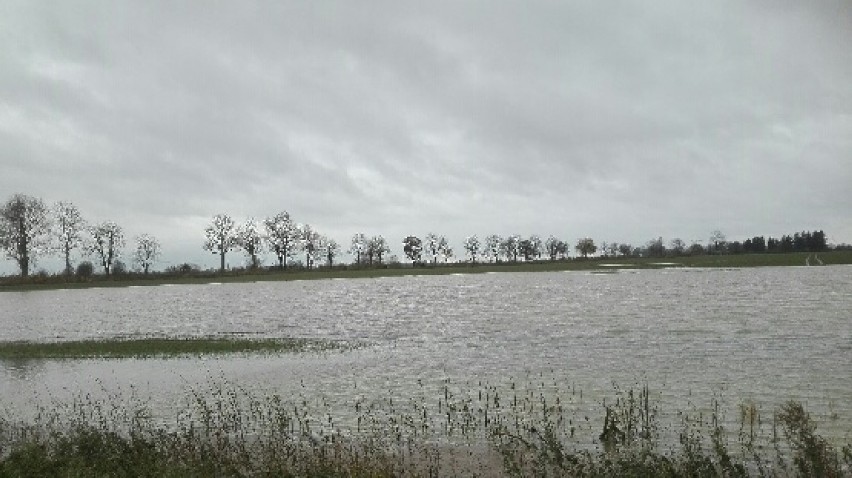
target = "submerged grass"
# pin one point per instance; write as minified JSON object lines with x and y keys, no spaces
{"x":519,"y":431}
{"x":158,"y":347}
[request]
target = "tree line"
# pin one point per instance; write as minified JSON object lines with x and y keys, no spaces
{"x":30,"y":229}
{"x":285,"y":238}
{"x":278,"y":234}
{"x":805,"y":241}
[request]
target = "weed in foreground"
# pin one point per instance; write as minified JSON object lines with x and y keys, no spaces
{"x":489,"y":431}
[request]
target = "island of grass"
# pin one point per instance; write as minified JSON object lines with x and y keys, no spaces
{"x":160,"y":347}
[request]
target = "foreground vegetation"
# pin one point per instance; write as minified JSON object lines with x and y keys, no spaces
{"x":225,"y":431}
{"x":191,"y":275}
{"x":157,"y":347}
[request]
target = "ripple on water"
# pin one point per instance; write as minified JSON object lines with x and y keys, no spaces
{"x":767,"y":334}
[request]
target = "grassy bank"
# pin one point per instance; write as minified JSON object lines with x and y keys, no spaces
{"x":157,"y":347}
{"x":354,"y":272}
{"x":226,"y":432}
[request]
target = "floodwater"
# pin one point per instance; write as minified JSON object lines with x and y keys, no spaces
{"x":762,"y":336}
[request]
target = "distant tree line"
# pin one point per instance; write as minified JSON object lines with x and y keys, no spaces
{"x":805,"y":241}
{"x":29,"y":229}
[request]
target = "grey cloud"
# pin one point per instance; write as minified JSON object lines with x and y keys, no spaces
{"x":621,"y":122}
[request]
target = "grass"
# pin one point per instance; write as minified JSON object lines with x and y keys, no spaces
{"x":519,"y":431}
{"x":156,"y":347}
{"x":354,"y":272}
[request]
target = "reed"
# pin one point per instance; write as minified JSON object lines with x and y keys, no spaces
{"x":485,"y":430}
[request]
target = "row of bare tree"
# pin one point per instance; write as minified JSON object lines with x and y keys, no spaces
{"x":278,"y":234}
{"x":30,"y":229}
{"x":493,"y":248}
{"x":285,"y":238}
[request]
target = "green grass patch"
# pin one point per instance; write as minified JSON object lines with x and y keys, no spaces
{"x":158,"y":347}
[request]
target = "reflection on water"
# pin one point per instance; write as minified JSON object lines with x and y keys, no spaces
{"x":763,"y":335}
{"x":23,"y":368}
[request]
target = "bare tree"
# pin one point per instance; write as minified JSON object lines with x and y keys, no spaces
{"x":556,"y":248}
{"x":586,"y":246}
{"x":250,"y":240}
{"x":563,"y":249}
{"x":330,"y":249}
{"x":221,"y":237}
{"x":677,"y":246}
{"x":432,"y":246}
{"x":552,"y":247}
{"x":412,"y":246}
{"x":377,"y":248}
{"x":536,"y":245}
{"x":447,"y":252}
{"x":281,"y":236}
{"x":310,"y":243}
{"x":510,"y":247}
{"x":444,"y":249}
{"x":655,"y":248}
{"x":147,"y":251}
{"x":24,"y":230}
{"x":471,"y":246}
{"x":107,"y":243}
{"x":612,"y":249}
{"x":718,"y":241}
{"x":358,"y":247}
{"x":70,"y":230}
{"x":530,"y":248}
{"x":492,"y":247}
{"x":525,"y":249}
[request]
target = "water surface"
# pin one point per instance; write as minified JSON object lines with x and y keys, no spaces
{"x":762,"y":335}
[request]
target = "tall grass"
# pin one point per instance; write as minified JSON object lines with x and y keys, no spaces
{"x":486,"y":431}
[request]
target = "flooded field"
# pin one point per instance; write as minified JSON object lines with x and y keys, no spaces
{"x":757,"y":336}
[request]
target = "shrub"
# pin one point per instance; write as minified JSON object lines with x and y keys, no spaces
{"x":119,"y":268}
{"x":183,"y":269}
{"x":85,"y":270}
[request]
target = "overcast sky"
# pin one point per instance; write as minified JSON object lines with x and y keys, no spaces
{"x":622,"y":121}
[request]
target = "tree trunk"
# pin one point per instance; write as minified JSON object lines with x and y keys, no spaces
{"x":24,"y":262}
{"x":23,"y":249}
{"x":68,"y":269}
{"x":222,"y":261}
